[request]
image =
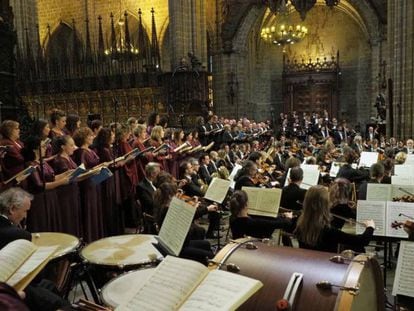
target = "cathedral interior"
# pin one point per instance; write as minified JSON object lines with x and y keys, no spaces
{"x":186,"y":58}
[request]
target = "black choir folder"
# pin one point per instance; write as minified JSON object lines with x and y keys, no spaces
{"x":181,"y":284}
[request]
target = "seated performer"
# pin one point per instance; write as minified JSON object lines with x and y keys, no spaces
{"x":195,"y":247}
{"x":376,"y":172}
{"x":314,"y":229}
{"x":14,"y":204}
{"x":292,"y":194}
{"x":245,"y":176}
{"x":146,"y":188}
{"x":242,"y":225}
{"x":340,"y":195}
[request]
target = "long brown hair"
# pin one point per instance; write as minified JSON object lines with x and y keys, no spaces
{"x":238,"y":202}
{"x":315,"y":215}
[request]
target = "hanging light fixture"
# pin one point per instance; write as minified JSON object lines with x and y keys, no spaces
{"x":284,"y":32}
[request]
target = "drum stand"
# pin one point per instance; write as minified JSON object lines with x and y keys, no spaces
{"x":80,"y":273}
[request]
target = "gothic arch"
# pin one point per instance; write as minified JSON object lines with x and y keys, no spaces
{"x":60,"y":44}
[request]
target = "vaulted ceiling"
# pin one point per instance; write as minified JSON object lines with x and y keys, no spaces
{"x":380,"y":8}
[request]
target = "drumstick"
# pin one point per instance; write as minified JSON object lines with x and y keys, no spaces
{"x":405,"y":191}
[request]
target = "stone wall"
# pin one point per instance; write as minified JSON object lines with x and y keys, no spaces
{"x":258,"y":67}
{"x":401,"y":69}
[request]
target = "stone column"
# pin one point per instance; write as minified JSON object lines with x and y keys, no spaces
{"x":187,"y":29}
{"x":401,"y":57}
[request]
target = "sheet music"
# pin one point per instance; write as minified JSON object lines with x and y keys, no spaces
{"x":176,"y":224}
{"x":368,"y":158}
{"x":221,"y":290}
{"x":374,"y":210}
{"x":14,"y":255}
{"x":217,"y":190}
{"x":379,"y":192}
{"x":402,"y":180}
{"x":409,"y":160}
{"x":310,"y":178}
{"x":35,"y":260}
{"x":393,"y":214}
{"x":404,"y":170}
{"x":310,"y":167}
{"x":404,"y":281}
{"x":262,"y":201}
{"x":173,"y":280}
{"x":236,"y":168}
{"x":334,"y":169}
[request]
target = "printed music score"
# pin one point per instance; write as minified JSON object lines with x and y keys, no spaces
{"x":176,"y":224}
{"x":386,"y":192}
{"x":181,"y":284}
{"x":404,"y":281}
{"x":235,"y":170}
{"x":384,"y":215}
{"x":217,"y":190}
{"x":310,"y":178}
{"x":374,"y":210}
{"x":263,"y":201}
{"x":21,"y":261}
{"x":368,"y":158}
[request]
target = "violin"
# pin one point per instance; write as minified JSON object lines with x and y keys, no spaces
{"x":409,"y":225}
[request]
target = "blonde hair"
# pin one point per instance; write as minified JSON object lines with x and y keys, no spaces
{"x":156,"y":133}
{"x":315,"y":215}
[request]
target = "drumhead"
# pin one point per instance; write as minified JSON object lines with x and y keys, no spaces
{"x":122,"y":250}
{"x":66,"y":243}
{"x":123,"y":287}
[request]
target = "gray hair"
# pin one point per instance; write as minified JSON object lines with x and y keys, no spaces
{"x":151,"y":167}
{"x":13,"y":197}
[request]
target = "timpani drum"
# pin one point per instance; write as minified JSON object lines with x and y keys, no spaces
{"x":113,"y":255}
{"x":356,"y":284}
{"x":122,"y":287}
{"x":67,"y":249}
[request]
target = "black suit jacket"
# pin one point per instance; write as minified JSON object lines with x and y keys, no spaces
{"x":244,"y":181}
{"x":144,"y":194}
{"x":204,"y":174}
{"x":290,"y":195}
{"x":9,"y":232}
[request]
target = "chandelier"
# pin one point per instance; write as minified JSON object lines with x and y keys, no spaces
{"x":302,"y":6}
{"x":121,"y":46}
{"x":284,"y":32}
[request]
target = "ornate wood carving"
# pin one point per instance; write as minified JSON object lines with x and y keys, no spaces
{"x":311,"y":86}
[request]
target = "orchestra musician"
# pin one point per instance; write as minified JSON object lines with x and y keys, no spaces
{"x":195,"y":247}
{"x":14,"y":205}
{"x":376,"y":172}
{"x":242,"y":225}
{"x":314,"y":230}
{"x":340,"y":195}
{"x":292,"y":194}
{"x":245,"y":177}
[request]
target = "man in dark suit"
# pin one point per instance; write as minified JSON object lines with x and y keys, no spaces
{"x":204,"y":170}
{"x":292,"y":194}
{"x":377,"y":174}
{"x":14,"y":204}
{"x":146,"y":188}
